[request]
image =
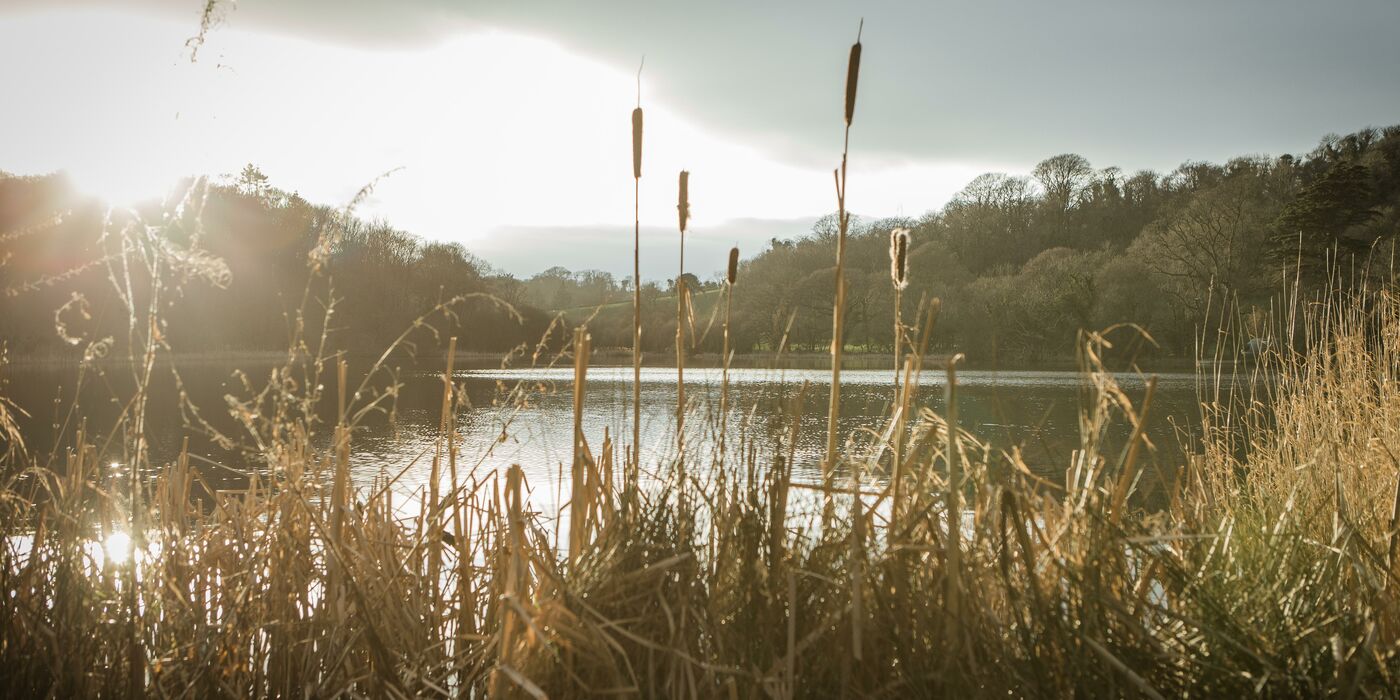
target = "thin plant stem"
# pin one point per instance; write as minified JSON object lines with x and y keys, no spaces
{"x":724,"y":371}
{"x":637,"y":326}
{"x":954,"y":506}
{"x":898,"y":336}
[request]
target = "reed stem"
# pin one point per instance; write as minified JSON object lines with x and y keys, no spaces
{"x":579,"y":504}
{"x":954,"y":502}
{"x":731,"y":278}
{"x":637,"y":281}
{"x":513,"y":589}
{"x":898,"y":336}
{"x":838,"y":314}
{"x":683,"y":214}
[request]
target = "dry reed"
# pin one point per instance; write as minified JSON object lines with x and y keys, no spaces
{"x":730,"y":278}
{"x":637,"y":275}
{"x":1021,"y":591}
{"x":838,"y":314}
{"x":682,"y":290}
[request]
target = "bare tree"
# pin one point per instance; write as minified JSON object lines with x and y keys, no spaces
{"x":1212,"y":245}
{"x":1064,"y":178}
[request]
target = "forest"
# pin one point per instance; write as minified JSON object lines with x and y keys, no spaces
{"x":1022,"y":263}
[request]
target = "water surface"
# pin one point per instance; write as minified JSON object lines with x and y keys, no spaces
{"x":1037,"y":412}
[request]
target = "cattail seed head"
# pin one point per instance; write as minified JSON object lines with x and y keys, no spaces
{"x":637,"y":143}
{"x":852,"y":77}
{"x":733,"y":265}
{"x":899,"y":258}
{"x":683,"y":200}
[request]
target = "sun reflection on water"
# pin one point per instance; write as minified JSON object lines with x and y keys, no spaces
{"x":117,"y":547}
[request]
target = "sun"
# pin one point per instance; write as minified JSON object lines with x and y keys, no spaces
{"x":117,"y":547}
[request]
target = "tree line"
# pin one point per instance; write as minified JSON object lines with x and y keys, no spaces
{"x":59,"y":275}
{"x":1021,"y":263}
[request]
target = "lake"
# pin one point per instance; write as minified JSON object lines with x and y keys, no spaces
{"x":1035,"y":411}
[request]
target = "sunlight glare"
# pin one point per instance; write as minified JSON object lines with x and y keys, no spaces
{"x":118,"y":547}
{"x":123,"y":186}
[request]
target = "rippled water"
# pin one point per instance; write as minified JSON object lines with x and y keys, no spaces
{"x":1035,"y":411}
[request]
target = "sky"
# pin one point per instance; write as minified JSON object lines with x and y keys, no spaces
{"x":506,"y":125}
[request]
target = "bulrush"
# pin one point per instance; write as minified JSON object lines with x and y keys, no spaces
{"x":838,"y":336}
{"x":899,"y":277}
{"x":731,"y":278}
{"x":637,"y":279}
{"x":683,"y":203}
{"x":853,"y":76}
{"x":683,"y":215}
{"x":637,"y":143}
{"x":838,"y":314}
{"x":899,"y":258}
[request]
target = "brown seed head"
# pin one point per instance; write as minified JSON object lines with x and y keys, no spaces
{"x":637,"y":143}
{"x":733,"y":265}
{"x":852,"y":77}
{"x":683,"y":200}
{"x":899,"y":258}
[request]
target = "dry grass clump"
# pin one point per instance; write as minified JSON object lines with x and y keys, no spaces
{"x":1325,"y":436}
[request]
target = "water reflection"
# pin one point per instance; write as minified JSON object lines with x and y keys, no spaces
{"x":117,"y":547}
{"x":1036,"y":412}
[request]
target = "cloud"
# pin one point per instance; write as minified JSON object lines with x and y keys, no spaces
{"x":1128,"y":84}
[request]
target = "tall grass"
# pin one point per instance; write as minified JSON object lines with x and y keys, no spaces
{"x":1272,"y":570}
{"x":948,"y":569}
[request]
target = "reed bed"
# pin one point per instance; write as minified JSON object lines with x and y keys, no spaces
{"x":1272,"y":571}
{"x":938,"y":566}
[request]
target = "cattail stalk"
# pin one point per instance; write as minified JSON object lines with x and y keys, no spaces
{"x":636,"y":286}
{"x":837,"y":345}
{"x":637,"y":143}
{"x":853,"y":76}
{"x":683,"y":216}
{"x":839,"y":311}
{"x":730,"y":279}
